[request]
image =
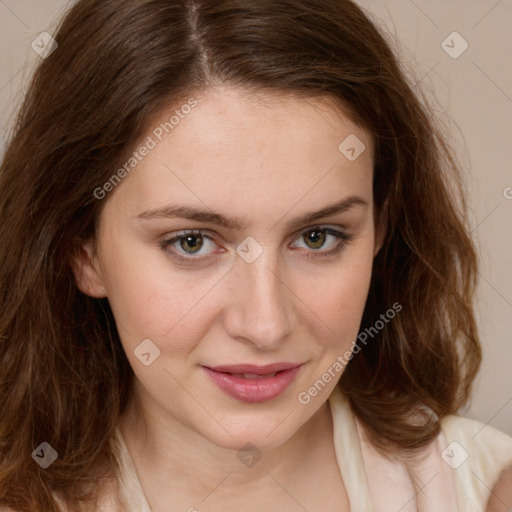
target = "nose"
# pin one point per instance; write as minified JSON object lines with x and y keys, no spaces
{"x":261,"y":305}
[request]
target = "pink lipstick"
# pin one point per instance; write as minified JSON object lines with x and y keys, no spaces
{"x":251,"y":383}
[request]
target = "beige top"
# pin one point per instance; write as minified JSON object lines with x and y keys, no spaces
{"x":459,"y":469}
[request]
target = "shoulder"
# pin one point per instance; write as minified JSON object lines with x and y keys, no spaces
{"x":500,"y":499}
{"x":479,"y":442}
{"x":480,"y":457}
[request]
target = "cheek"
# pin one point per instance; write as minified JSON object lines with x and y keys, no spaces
{"x":150,"y":299}
{"x":339,"y":301}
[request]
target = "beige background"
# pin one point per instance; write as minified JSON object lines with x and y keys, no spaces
{"x":474,"y":94}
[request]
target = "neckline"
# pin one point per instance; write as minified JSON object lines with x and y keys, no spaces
{"x":348,"y":454}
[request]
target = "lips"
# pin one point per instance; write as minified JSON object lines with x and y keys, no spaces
{"x":251,"y":383}
{"x":255,"y":370}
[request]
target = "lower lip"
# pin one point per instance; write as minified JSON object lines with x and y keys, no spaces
{"x":253,"y":390}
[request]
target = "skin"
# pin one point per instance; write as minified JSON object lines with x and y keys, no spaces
{"x":500,"y":499}
{"x":266,"y":159}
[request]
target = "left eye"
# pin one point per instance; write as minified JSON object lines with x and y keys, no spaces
{"x":317,"y":237}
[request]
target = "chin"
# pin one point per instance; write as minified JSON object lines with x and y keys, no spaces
{"x":264,"y":429}
{"x":251,"y":440}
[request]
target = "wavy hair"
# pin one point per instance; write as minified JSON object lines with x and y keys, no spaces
{"x":64,"y":377}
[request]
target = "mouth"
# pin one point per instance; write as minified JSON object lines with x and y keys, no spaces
{"x":253,"y":384}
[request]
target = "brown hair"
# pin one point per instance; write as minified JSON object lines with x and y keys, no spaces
{"x":64,"y":378}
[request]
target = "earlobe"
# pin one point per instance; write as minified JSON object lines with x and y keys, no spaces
{"x":87,"y":272}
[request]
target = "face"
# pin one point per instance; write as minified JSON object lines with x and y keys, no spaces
{"x":219,"y":275}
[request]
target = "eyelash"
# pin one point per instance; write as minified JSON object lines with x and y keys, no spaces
{"x":343,"y":240}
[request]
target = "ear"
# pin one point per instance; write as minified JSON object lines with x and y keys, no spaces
{"x":87,"y":271}
{"x":381,"y":228}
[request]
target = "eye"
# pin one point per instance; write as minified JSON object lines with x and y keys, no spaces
{"x":317,"y":237}
{"x":187,"y":243}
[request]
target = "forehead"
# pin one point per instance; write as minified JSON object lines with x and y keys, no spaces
{"x":241,"y":150}
{"x":230,"y":121}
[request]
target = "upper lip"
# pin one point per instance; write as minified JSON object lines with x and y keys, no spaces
{"x":254,"y":369}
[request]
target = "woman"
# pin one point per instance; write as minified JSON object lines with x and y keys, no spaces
{"x":235,"y":272}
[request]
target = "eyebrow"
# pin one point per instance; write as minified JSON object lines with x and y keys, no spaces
{"x":237,"y":223}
